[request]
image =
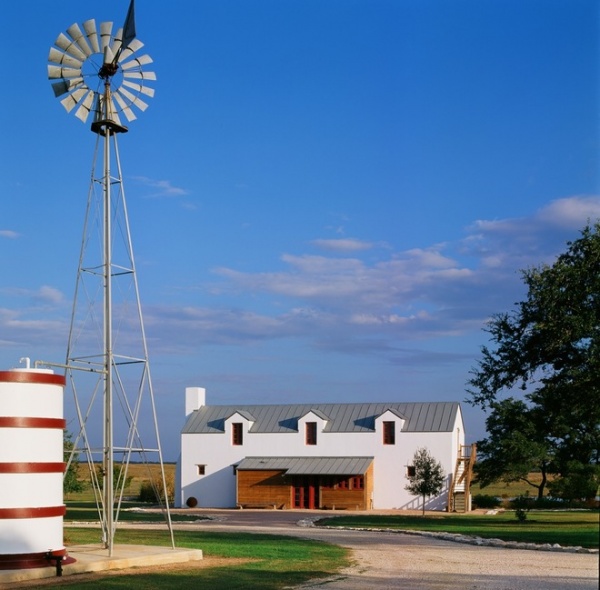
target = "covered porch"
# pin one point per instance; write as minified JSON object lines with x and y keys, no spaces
{"x":334,"y":483}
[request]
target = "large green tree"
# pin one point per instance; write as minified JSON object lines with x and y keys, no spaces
{"x":548,"y":347}
{"x":515,"y":446}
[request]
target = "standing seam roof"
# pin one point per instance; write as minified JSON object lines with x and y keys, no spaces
{"x":280,"y":418}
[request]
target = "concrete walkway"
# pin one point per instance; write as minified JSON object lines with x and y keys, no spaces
{"x":92,"y":558}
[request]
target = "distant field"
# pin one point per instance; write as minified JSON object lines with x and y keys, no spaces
{"x":138,"y":472}
{"x":141,"y":473}
{"x":503,"y":490}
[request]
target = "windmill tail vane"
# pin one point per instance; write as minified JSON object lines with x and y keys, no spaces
{"x":129,"y":27}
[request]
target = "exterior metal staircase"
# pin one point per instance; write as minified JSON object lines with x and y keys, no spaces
{"x":459,"y":494}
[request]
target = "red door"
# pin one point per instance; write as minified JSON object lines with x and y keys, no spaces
{"x":304,"y":493}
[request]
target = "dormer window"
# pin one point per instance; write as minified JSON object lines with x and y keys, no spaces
{"x":237,"y":434}
{"x":389,"y":433}
{"x":311,"y":433}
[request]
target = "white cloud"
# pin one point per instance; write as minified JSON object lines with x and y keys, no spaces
{"x":360,"y":300}
{"x":353,"y":284}
{"x":48,"y":294}
{"x":343,"y":245}
{"x":45,"y":294}
{"x":446,"y":289}
{"x":524,"y":241}
{"x":8,"y":233}
{"x":22,"y":329}
{"x":571,"y":213}
{"x":162,"y":188}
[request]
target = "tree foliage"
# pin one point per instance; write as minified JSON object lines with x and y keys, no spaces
{"x":427,"y":476}
{"x":549,"y":348}
{"x":121,"y":481}
{"x":71,"y":482}
{"x":515,"y":446}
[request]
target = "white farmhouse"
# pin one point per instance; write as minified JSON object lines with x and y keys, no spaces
{"x":333,"y":456}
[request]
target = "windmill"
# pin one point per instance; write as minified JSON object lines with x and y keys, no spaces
{"x":99,"y":76}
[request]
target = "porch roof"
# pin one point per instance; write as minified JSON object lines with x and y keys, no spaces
{"x":308,"y":465}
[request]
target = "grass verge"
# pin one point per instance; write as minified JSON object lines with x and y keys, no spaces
{"x":574,"y":529}
{"x":273,"y":562}
{"x":130,"y":512}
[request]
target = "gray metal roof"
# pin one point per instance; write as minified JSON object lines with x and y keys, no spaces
{"x":308,"y":465}
{"x":419,"y":416}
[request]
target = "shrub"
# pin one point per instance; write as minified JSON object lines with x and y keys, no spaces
{"x":486,"y":501}
{"x":149,"y":490}
{"x":147,"y":493}
{"x":580,"y":483}
{"x":522,"y":505}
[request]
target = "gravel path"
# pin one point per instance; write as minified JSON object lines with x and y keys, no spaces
{"x":410,"y":562}
{"x":387,"y":561}
{"x":413,"y":562}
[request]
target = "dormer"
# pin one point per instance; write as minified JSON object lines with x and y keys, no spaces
{"x":389,"y":424}
{"x":237,"y":425}
{"x":309,"y":425}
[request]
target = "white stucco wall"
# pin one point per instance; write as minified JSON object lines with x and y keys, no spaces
{"x":217,"y":487}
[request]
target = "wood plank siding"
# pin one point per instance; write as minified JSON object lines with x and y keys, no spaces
{"x":273,"y":489}
{"x":263,"y":489}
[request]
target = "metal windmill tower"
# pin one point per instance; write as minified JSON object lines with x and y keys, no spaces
{"x":99,"y":76}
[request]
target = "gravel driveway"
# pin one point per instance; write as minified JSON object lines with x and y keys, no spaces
{"x":412,"y":562}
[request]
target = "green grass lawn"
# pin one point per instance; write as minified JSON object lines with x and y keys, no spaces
{"x":273,"y":562}
{"x":569,"y":528}
{"x":130,"y":512}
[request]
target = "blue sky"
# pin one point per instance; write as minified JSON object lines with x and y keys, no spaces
{"x":328,"y":198}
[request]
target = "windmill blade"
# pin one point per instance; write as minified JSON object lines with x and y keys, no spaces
{"x":108,"y":55}
{"x":77,"y":35}
{"x":58,"y":57}
{"x":129,"y":114}
{"x":134,"y":46}
{"x":117,"y":41}
{"x":89,"y":26}
{"x":63,"y":86}
{"x":68,"y":46}
{"x":105,"y":35}
{"x":140,"y":75}
{"x":143,"y":60}
{"x":83,"y":112}
{"x":139,"y":88}
{"x":58,"y":72}
{"x":77,"y":48}
{"x":71,"y":101}
{"x":133,"y":99}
